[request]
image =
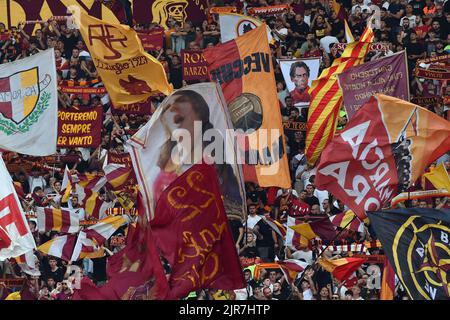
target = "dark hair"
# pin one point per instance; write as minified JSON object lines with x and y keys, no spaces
{"x":36,"y":189}
{"x":298,"y":64}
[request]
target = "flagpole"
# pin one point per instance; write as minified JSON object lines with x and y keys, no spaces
{"x":335,"y":237}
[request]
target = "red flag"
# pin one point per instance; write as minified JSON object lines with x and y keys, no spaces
{"x":135,"y":273}
{"x":192,"y":232}
{"x":343,"y":268}
{"x":383,"y":150}
{"x":387,"y":282}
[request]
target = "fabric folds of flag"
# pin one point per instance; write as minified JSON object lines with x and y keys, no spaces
{"x":60,"y":247}
{"x":347,"y":220}
{"x":322,"y":228}
{"x":348,"y":33}
{"x":343,"y":268}
{"x":387,"y":281}
{"x":61,"y":220}
{"x":292,"y":268}
{"x":117,"y":175}
{"x":276,"y":226}
{"x":94,"y":206}
{"x":192,"y":231}
{"x":439,"y":177}
{"x":326,"y":97}
{"x":89,"y":241}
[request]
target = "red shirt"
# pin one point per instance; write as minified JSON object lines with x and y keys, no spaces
{"x":298,"y":96}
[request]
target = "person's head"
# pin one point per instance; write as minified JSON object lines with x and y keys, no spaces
{"x":267,"y":293}
{"x":294,"y":113}
{"x":405,"y":23}
{"x":348,"y":295}
{"x":32,"y":224}
{"x":409,"y":9}
{"x":305,"y":285}
{"x":38,"y":191}
{"x":356,"y":291}
{"x":51,"y":282}
{"x":323,"y":293}
{"x":247,"y":275}
{"x":65,"y":286}
{"x":310,"y":189}
{"x":326,"y":204}
{"x":335,"y":297}
{"x":276,"y":287}
{"x":310,"y":36}
{"x":315,"y":209}
{"x":436,"y":25}
{"x":299,"y":74}
{"x":289,"y":102}
{"x":250,"y":237}
{"x":422,"y":204}
{"x":272,"y":276}
{"x":75,"y":53}
{"x":413,"y":36}
{"x":252,"y":209}
{"x":57,"y":186}
{"x":257,"y":292}
{"x":302,"y":195}
{"x":52,"y":262}
{"x":298,"y":18}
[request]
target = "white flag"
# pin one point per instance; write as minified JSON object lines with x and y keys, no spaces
{"x":234,"y":25}
{"x":29,"y":105}
{"x":15,"y":235}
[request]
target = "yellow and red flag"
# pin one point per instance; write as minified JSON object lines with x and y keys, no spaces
{"x":322,"y":228}
{"x":326,"y":97}
{"x":387,"y":281}
{"x":61,"y":220}
{"x":129,"y":73}
{"x":241,"y":66}
{"x":343,"y":268}
{"x":439,"y":177}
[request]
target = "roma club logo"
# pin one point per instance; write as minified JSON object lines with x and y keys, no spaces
{"x":22,"y":100}
{"x":245,"y":26}
{"x":163,"y":10}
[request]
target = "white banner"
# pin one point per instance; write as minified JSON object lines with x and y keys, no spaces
{"x":234,"y":25}
{"x":190,"y":126}
{"x":299,"y":75}
{"x":15,"y":235}
{"x":29,"y":105}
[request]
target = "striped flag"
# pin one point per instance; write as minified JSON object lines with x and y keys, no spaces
{"x":343,"y":268}
{"x":89,"y":241}
{"x":439,"y":177}
{"x":60,"y":247}
{"x":292,"y":268}
{"x":276,"y":226}
{"x":94,"y":206}
{"x":387,"y":281}
{"x":343,"y":219}
{"x":66,"y":185}
{"x":27,"y":258}
{"x":117,"y":175}
{"x":348,"y":33}
{"x":61,"y":220}
{"x":90,"y":181}
{"x":322,"y":228}
{"x":326,"y":97}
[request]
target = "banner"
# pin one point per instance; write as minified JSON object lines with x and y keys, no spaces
{"x":377,"y":47}
{"x":387,"y":75}
{"x":269,"y":10}
{"x":82,"y":90}
{"x":298,"y":75}
{"x":235,"y":25}
{"x":190,"y":126}
{"x":240,"y":66}
{"x":194,"y":65}
{"x":219,"y":10}
{"x":28,"y":105}
{"x":129,"y":73}
{"x":416,"y":244}
{"x":444,"y":58}
{"x":431,"y":74}
{"x":427,"y":101}
{"x":152,"y":40}
{"x":197,"y":244}
{"x":381,"y":152}
{"x":15,"y":235}
{"x":294,"y":125}
{"x":139,"y":108}
{"x":80,"y":128}
{"x":120,"y":158}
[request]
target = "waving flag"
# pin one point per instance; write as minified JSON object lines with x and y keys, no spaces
{"x":240,"y":66}
{"x":416,"y":244}
{"x":192,"y":231}
{"x":347,"y":220}
{"x":326,"y":97}
{"x":439,"y":177}
{"x":383,"y":150}
{"x":234,"y":25}
{"x":61,"y":220}
{"x":348,"y":33}
{"x":323,"y":229}
{"x":15,"y":235}
{"x":129,"y":73}
{"x":343,"y":268}
{"x":29,"y":105}
{"x":117,"y":175}
{"x":292,"y":268}
{"x":60,"y":247}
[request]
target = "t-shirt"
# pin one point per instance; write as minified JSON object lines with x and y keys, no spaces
{"x":57,"y":275}
{"x":252,"y":221}
{"x":235,"y":225}
{"x":266,"y":231}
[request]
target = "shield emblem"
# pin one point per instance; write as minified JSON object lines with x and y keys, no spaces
{"x":19,"y":94}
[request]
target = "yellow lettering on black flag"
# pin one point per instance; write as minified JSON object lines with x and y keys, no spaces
{"x":129,"y":73}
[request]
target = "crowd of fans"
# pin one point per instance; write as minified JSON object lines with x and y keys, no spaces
{"x":308,"y":30}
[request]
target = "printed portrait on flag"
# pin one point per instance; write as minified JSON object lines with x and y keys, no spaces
{"x":189,"y":127}
{"x":298,"y":75}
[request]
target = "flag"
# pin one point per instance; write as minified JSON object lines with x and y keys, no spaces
{"x":134,"y":273}
{"x":91,"y":181}
{"x":240,"y":66}
{"x":61,"y":220}
{"x":234,"y":25}
{"x":438,"y":176}
{"x":348,"y":33}
{"x":117,"y":175}
{"x":66,"y":185}
{"x":416,"y":244}
{"x":94,"y":206}
{"x":343,"y":268}
{"x":15,"y":235}
{"x":343,"y":219}
{"x":326,"y":97}
{"x":387,"y":281}
{"x":90,"y":240}
{"x":60,"y":247}
{"x":338,"y":9}
{"x":27,"y":258}
{"x":388,"y":75}
{"x":276,"y":226}
{"x":29,"y":105}
{"x":322,"y":228}
{"x":383,"y":150}
{"x":177,"y":136}
{"x":129,"y":74}
{"x":292,"y":268}
{"x":192,"y":231}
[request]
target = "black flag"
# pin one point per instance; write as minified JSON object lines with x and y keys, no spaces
{"x":417,"y":244}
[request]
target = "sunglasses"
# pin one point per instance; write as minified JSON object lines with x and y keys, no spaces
{"x":334,"y":298}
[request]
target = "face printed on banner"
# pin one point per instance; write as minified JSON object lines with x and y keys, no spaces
{"x":300,"y":75}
